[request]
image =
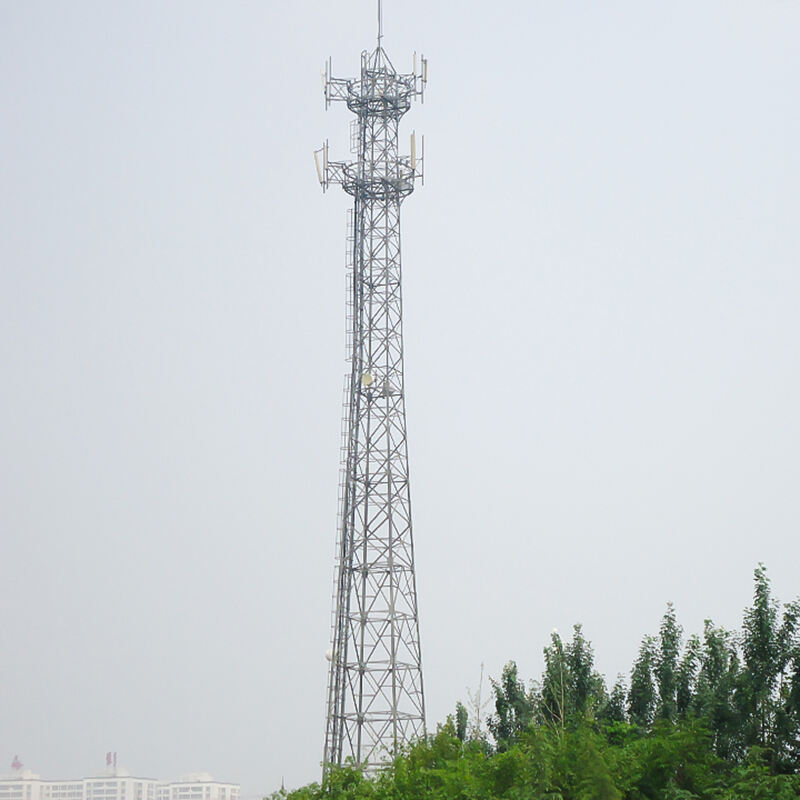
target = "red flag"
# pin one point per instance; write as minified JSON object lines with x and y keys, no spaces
{"x":16,"y":763}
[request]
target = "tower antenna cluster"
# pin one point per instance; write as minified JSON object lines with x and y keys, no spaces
{"x":375,"y":694}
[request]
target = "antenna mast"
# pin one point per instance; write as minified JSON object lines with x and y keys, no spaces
{"x":375,"y":694}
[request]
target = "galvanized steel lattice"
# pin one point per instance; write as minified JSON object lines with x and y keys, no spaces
{"x":375,"y":693}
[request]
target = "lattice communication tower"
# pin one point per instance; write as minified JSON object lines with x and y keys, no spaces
{"x":375,"y":694}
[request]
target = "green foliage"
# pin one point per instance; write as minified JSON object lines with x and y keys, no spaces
{"x":642,"y":694}
{"x":666,"y":665}
{"x":762,"y":657}
{"x":587,"y":691}
{"x":554,"y":693}
{"x":754,"y":781}
{"x":718,"y":695}
{"x":513,"y":707}
{"x":767,"y":703}
{"x":716,"y":719}
{"x":674,"y":761}
{"x":686,"y":680}
{"x":461,"y":721}
{"x":580,"y":661}
{"x":570,"y":690}
{"x":613,"y":709}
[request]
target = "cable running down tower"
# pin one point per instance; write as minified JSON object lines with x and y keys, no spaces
{"x":375,"y":693}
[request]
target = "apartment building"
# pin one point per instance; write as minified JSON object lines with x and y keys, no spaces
{"x":116,"y":784}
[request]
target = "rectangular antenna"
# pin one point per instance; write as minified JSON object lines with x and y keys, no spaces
{"x":319,"y":168}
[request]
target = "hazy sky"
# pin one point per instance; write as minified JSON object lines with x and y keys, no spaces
{"x":602,"y":331}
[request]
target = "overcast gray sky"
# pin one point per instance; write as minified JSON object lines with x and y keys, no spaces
{"x":601,"y":296}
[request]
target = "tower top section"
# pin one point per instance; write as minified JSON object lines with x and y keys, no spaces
{"x":379,"y":90}
{"x":379,"y":97}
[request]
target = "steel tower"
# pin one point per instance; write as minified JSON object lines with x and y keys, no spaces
{"x":375,"y":694}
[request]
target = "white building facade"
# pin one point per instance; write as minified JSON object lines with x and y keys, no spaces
{"x":116,"y":785}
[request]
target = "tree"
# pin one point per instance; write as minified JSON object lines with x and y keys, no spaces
{"x":570,"y":688}
{"x":513,"y":707}
{"x":585,"y":685}
{"x":717,"y":693}
{"x":686,"y":679}
{"x":762,"y":656}
{"x":556,"y":680}
{"x":792,"y":705}
{"x":461,"y":721}
{"x":642,"y":693}
{"x":666,"y":665}
{"x":769,"y":646}
{"x":614,"y":708}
